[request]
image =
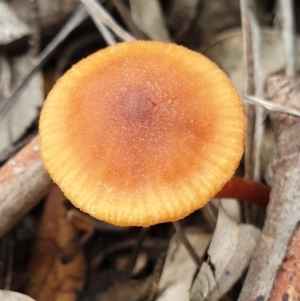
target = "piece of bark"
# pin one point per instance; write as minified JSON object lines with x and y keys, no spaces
{"x":288,"y":278}
{"x":284,"y":208}
{"x":23,"y":183}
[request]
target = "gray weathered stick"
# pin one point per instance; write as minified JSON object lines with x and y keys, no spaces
{"x":288,"y":35}
{"x":23,"y":183}
{"x":248,"y":83}
{"x":284,"y":207}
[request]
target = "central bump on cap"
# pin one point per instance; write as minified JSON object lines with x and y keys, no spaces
{"x":142,"y":133}
{"x":136,"y":105}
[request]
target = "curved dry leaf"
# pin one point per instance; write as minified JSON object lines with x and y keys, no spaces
{"x":153,"y":23}
{"x":12,"y":28}
{"x":229,"y":254}
{"x":49,"y":278}
{"x":179,"y":268}
{"x":13,"y":296}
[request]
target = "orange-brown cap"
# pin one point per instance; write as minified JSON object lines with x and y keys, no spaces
{"x":142,"y":133}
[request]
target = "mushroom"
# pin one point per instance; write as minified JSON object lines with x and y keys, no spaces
{"x":142,"y":133}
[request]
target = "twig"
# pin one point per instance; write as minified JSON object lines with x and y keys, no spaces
{"x":270,"y":106}
{"x":127,"y":19}
{"x":107,"y":35}
{"x":132,"y":260}
{"x":259,"y":126}
{"x":288,"y":35}
{"x":155,"y":277}
{"x":249,"y":83}
{"x":97,"y":11}
{"x":23,"y":183}
{"x":284,"y":207}
{"x":75,"y":20}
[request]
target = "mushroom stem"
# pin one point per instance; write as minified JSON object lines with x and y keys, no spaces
{"x":246,"y":190}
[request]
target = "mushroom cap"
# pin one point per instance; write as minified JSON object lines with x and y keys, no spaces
{"x":142,"y":133}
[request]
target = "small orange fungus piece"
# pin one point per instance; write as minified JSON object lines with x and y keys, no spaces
{"x":142,"y":133}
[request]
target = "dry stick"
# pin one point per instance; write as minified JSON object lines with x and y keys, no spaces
{"x":270,"y":106}
{"x":135,"y":252}
{"x":155,"y":277}
{"x":288,"y":35}
{"x":259,"y":126}
{"x":249,"y":83}
{"x":23,"y":183}
{"x":107,"y":35}
{"x":75,"y":20}
{"x":127,"y":19}
{"x":97,"y":10}
{"x":284,"y":207}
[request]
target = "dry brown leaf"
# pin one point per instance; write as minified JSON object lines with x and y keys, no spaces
{"x":179,"y":268}
{"x":229,"y":254}
{"x":13,"y":296}
{"x":49,"y":278}
{"x":148,"y":16}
